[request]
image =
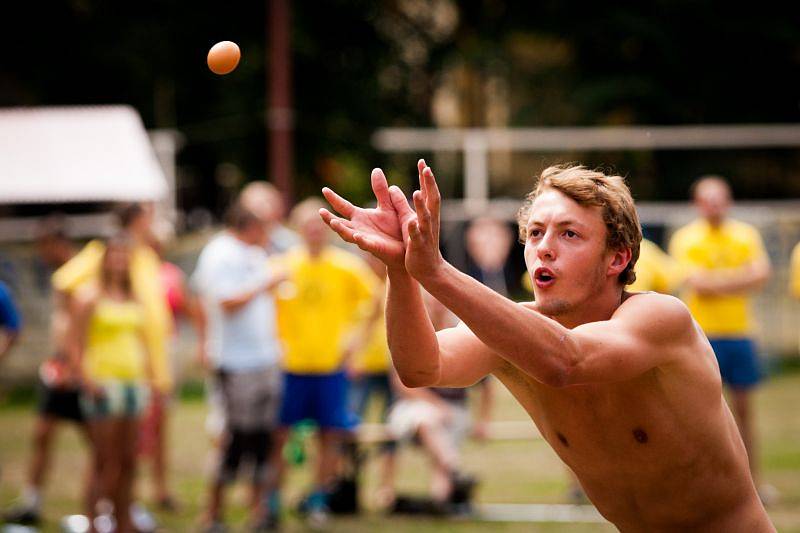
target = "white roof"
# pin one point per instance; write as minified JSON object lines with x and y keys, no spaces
{"x":77,"y":154}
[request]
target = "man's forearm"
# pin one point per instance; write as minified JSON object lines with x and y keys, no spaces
{"x":231,"y":305}
{"x":539,"y":346}
{"x":733,"y":281}
{"x":412,"y":339}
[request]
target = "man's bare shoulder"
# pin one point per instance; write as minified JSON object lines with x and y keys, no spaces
{"x":659,"y":316}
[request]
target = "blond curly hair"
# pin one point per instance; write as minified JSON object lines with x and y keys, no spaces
{"x":593,"y":188}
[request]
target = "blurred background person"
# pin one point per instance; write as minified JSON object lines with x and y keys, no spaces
{"x":317,"y":307}
{"x":59,"y":379}
{"x":439,"y":420}
{"x":136,"y":223}
{"x":370,"y":375}
{"x":655,"y":270}
{"x":488,"y":244}
{"x":10,"y":321}
{"x":265,"y":201}
{"x":725,"y":263}
{"x":153,"y":438}
{"x":235,"y":283}
{"x":108,"y":337}
{"x":794,"y":272}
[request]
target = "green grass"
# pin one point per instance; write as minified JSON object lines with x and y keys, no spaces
{"x":510,"y":471}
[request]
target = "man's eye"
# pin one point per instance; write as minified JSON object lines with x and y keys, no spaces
{"x":569,"y":233}
{"x":534,"y":233}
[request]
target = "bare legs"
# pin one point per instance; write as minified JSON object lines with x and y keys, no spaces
{"x":114,"y":442}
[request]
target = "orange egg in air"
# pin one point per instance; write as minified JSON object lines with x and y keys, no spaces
{"x":223,"y":57}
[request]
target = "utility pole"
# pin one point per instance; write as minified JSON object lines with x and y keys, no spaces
{"x":280,"y":115}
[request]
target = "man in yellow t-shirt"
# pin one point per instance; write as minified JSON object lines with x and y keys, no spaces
{"x":655,"y":270}
{"x":368,"y":349}
{"x":725,"y":263}
{"x":318,"y":306}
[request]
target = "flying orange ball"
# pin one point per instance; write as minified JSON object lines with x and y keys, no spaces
{"x":223,"y":57}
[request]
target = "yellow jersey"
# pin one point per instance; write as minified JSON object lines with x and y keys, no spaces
{"x":147,"y":288}
{"x":374,"y":357}
{"x":114,"y":346}
{"x":794,"y":274}
{"x":700,"y":247}
{"x":318,"y":306}
{"x":655,"y":270}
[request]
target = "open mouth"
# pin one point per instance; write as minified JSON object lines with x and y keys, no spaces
{"x":543,"y":277}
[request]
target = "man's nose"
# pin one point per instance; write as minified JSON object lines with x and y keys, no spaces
{"x":546,"y":247}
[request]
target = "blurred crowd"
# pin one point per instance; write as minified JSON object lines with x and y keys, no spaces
{"x":291,"y":329}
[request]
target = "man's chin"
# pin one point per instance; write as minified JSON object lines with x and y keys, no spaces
{"x":552,"y":306}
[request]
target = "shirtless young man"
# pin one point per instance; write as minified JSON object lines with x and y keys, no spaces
{"x":624,"y":387}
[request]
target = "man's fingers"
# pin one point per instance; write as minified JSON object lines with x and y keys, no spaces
{"x":423,"y":215}
{"x":413,"y":230}
{"x":381,"y":188}
{"x":421,"y":166}
{"x":433,"y":199}
{"x":399,"y":202}
{"x":342,"y":206}
{"x":327,"y":216}
{"x":338,"y":225}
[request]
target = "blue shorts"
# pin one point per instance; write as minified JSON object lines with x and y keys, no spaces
{"x":738,"y":362}
{"x":318,"y":397}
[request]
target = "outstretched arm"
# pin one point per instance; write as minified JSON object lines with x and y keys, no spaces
{"x":456,"y":357}
{"x":647,"y":331}
{"x":625,"y":346}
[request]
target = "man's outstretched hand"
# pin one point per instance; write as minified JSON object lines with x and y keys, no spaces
{"x":423,"y":257}
{"x":378,"y":230}
{"x":392,"y":231}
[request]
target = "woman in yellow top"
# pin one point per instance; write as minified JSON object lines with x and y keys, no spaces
{"x":108,"y":337}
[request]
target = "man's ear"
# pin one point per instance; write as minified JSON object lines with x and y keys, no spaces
{"x":619,"y":261}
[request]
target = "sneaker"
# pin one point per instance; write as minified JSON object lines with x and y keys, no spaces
{"x":318,"y":518}
{"x":318,"y":513}
{"x":105,"y":523}
{"x":26,"y":516}
{"x":75,"y":523}
{"x":142,"y":520}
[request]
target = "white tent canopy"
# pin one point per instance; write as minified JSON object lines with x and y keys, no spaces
{"x":77,"y":154}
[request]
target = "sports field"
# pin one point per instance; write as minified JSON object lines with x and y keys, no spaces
{"x":510,"y":471}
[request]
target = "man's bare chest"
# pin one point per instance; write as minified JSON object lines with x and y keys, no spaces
{"x":594,"y":426}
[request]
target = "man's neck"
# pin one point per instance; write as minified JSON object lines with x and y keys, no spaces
{"x":239,"y":237}
{"x":595,"y":309}
{"x":715,"y":223}
{"x":136,"y":237}
{"x":314,"y":252}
